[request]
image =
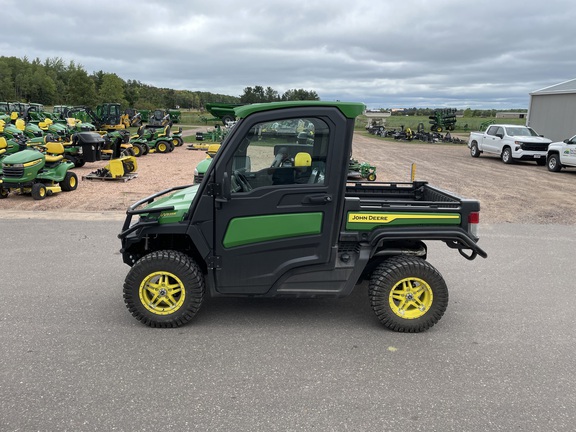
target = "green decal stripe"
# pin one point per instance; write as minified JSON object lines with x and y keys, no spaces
{"x":255,"y":229}
{"x":366,"y":221}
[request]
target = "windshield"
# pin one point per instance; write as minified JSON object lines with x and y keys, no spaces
{"x":520,"y":131}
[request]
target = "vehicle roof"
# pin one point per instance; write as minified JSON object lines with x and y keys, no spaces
{"x":349,"y":109}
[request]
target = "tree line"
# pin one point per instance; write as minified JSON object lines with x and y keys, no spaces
{"x":53,"y":82}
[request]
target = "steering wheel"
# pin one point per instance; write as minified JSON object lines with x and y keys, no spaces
{"x":242,"y":181}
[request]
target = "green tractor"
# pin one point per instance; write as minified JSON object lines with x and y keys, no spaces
{"x":37,"y":173}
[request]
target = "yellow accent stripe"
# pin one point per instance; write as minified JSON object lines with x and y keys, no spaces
{"x":390,"y":217}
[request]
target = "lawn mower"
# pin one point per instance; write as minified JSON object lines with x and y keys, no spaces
{"x":361,"y":170}
{"x":203,"y":165}
{"x":39,"y":174}
{"x":153,"y":139}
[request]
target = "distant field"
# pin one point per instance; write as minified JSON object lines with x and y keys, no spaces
{"x":466,"y":124}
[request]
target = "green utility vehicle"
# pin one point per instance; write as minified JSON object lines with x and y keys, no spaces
{"x":273,"y":219}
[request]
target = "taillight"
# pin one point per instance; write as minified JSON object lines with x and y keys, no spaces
{"x":473,"y":221}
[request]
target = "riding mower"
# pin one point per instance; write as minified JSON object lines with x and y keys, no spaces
{"x":361,"y":170}
{"x":39,"y":174}
{"x":153,"y":140}
{"x":203,"y":165}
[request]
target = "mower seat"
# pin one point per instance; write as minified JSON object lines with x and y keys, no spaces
{"x":3,"y":145}
{"x":54,"y":152}
{"x":20,"y":124}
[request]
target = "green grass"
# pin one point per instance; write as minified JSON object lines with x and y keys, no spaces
{"x":463,"y":124}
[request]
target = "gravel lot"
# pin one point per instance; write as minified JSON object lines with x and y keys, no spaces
{"x":519,"y":193}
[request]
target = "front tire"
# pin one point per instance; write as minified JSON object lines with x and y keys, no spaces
{"x":39,"y":191}
{"x":553,"y":163}
{"x":164,"y":289}
{"x":408,"y":294}
{"x":70,"y":182}
{"x":507,"y":156}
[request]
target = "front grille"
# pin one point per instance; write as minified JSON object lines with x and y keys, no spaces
{"x":534,"y":146}
{"x":11,"y":172}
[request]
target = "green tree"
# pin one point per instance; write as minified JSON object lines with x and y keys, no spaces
{"x":81,"y":89}
{"x":112,"y":90}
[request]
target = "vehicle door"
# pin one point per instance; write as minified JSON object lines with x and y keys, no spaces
{"x":492,"y":141}
{"x":281,"y":177}
{"x":568,"y":156}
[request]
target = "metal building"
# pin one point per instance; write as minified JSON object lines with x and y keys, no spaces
{"x":552,"y":111}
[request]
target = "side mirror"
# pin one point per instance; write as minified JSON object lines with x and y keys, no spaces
{"x":499,"y":135}
{"x":224,"y":193}
{"x":567,"y":141}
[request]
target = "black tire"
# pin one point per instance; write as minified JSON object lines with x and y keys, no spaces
{"x":541,"y":162}
{"x":177,"y":141}
{"x":170,"y":279}
{"x":398,"y":310}
{"x":553,"y":162}
{"x":4,"y":193}
{"x":145,"y":149}
{"x":163,"y":146}
{"x":138,"y":149}
{"x":79,"y":163}
{"x":70,"y":182}
{"x":226,"y":119}
{"x":474,"y":152}
{"x":507,"y":156}
{"x":39,"y":191}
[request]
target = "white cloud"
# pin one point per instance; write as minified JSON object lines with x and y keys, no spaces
{"x":385,"y":54}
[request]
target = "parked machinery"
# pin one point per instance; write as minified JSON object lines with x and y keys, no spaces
{"x":443,"y":119}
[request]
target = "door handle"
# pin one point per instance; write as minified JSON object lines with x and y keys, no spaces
{"x":317,"y":199}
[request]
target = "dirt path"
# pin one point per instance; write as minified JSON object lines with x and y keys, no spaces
{"x":519,"y":193}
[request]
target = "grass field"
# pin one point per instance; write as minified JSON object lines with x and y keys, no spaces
{"x":463,"y":125}
{"x":467,"y":124}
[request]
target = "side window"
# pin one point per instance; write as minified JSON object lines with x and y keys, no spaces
{"x":492,"y":130}
{"x":291,"y":151}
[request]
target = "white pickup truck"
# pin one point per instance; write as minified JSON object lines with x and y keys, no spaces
{"x":562,"y":154}
{"x":510,"y":143}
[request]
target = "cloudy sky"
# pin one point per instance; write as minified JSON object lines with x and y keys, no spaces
{"x":404,"y":53}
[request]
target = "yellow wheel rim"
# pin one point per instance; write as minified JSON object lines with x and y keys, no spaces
{"x":411,"y":298}
{"x":42,"y":192}
{"x":161,"y":147}
{"x":72,"y":181}
{"x":162,"y":293}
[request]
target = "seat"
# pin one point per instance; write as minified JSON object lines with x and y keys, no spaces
{"x":3,"y":145}
{"x":54,"y":152}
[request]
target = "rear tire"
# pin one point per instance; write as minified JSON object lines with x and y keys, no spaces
{"x":138,"y":149}
{"x":162,"y":146}
{"x":408,"y":294}
{"x":474,"y":152}
{"x":164,"y":289}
